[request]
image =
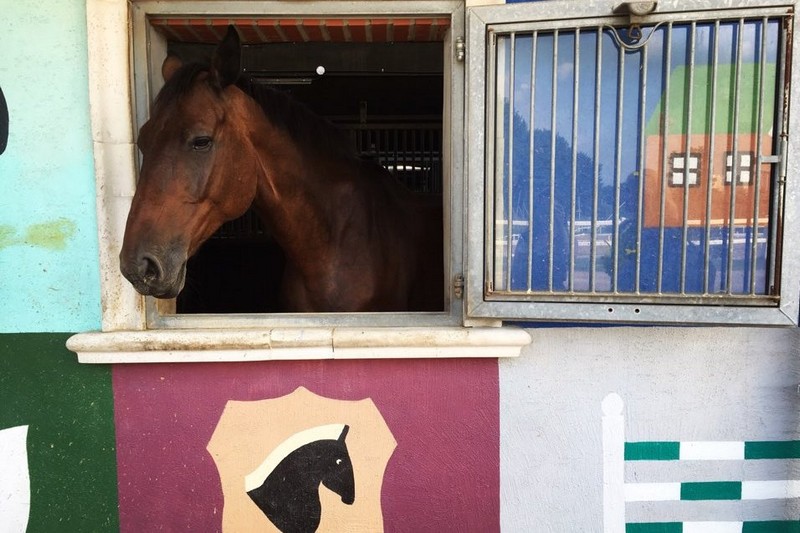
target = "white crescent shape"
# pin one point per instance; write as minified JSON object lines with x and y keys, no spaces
{"x":254,"y":479}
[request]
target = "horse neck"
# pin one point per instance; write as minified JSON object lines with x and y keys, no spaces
{"x":294,"y":192}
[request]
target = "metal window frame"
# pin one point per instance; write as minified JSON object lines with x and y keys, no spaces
{"x":481,"y":22}
{"x":148,"y":52}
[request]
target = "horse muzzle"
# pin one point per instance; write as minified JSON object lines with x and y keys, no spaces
{"x":152,"y":275}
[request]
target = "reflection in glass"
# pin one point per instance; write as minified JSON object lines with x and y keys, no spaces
{"x":644,"y":170}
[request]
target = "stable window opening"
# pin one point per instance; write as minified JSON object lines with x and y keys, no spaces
{"x":382,"y":80}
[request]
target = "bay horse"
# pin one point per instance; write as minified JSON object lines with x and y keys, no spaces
{"x":354,"y":238}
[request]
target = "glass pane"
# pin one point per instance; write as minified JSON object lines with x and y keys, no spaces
{"x":642,"y":167}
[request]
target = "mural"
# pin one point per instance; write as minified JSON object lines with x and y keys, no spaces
{"x":3,"y":122}
{"x":214,"y":440}
{"x":288,"y":495}
{"x":285,"y":460}
{"x":57,"y":450}
{"x":685,"y":486}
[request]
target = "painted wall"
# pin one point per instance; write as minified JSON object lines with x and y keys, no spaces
{"x":677,"y":384}
{"x":479,"y":446}
{"x":48,"y":234}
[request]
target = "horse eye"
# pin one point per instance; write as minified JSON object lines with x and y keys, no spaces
{"x":338,"y":461}
{"x":201,"y":144}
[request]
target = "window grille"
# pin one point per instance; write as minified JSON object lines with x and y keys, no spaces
{"x":610,"y":154}
{"x":412,"y":151}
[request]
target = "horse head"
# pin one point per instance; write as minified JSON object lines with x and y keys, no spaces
{"x":286,"y":485}
{"x":338,"y":476}
{"x":195,"y":174}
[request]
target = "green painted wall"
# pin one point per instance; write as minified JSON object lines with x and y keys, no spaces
{"x":71,"y":451}
{"x":48,"y":238}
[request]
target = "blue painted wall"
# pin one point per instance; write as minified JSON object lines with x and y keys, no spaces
{"x":49,"y":274}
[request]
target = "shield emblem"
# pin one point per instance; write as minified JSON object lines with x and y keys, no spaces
{"x":301,"y":463}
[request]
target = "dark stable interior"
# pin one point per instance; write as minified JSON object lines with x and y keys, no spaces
{"x":388,"y":97}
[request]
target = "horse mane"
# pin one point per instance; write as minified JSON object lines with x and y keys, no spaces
{"x":305,"y":127}
{"x":180,"y":83}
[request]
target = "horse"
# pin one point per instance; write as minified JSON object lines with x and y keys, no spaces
{"x":289,"y":495}
{"x":354,"y":238}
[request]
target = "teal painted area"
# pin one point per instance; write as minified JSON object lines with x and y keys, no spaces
{"x":654,"y":527}
{"x":71,"y":450}
{"x":652,"y":451}
{"x":712,"y":490}
{"x":789,"y":449}
{"x":792,"y":526}
{"x":773,"y":526}
{"x":48,"y":234}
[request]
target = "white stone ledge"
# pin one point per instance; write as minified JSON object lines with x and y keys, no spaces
{"x":228,"y":345}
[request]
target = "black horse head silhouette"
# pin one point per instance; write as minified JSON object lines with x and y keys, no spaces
{"x":286,"y":485}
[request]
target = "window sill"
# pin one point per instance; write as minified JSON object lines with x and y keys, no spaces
{"x":237,"y":345}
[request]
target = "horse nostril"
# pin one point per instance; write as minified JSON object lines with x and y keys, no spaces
{"x":150,"y":269}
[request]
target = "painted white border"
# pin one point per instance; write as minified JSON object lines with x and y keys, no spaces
{"x":256,"y":478}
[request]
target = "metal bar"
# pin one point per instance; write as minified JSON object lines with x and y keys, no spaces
{"x":569,"y":14}
{"x":642,"y":177}
{"x":510,"y":141}
{"x":495,"y":156}
{"x":596,"y":156}
{"x":554,"y":88}
{"x":531,"y":207}
{"x":575,"y":81}
{"x":734,"y":157}
{"x":687,"y":160}
{"x":664,"y":136}
{"x":778,"y":177}
{"x":709,"y":183}
{"x":758,"y":157}
{"x":617,"y":169}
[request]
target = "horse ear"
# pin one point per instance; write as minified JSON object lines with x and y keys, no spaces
{"x":226,"y":63}
{"x":345,"y":429}
{"x":170,"y":67}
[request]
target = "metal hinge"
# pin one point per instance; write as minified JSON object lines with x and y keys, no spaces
{"x":461,"y":49}
{"x":458,"y":286}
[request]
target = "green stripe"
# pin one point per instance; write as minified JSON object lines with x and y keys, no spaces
{"x":788,"y":526}
{"x":712,"y":490}
{"x":70,"y":413}
{"x":726,"y":75}
{"x":655,"y":527}
{"x":789,"y":449}
{"x":652,"y":451}
{"x":775,"y":526}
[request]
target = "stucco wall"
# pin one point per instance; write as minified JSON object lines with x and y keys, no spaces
{"x":677,"y":384}
{"x":539,"y":417}
{"x":48,"y":235}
